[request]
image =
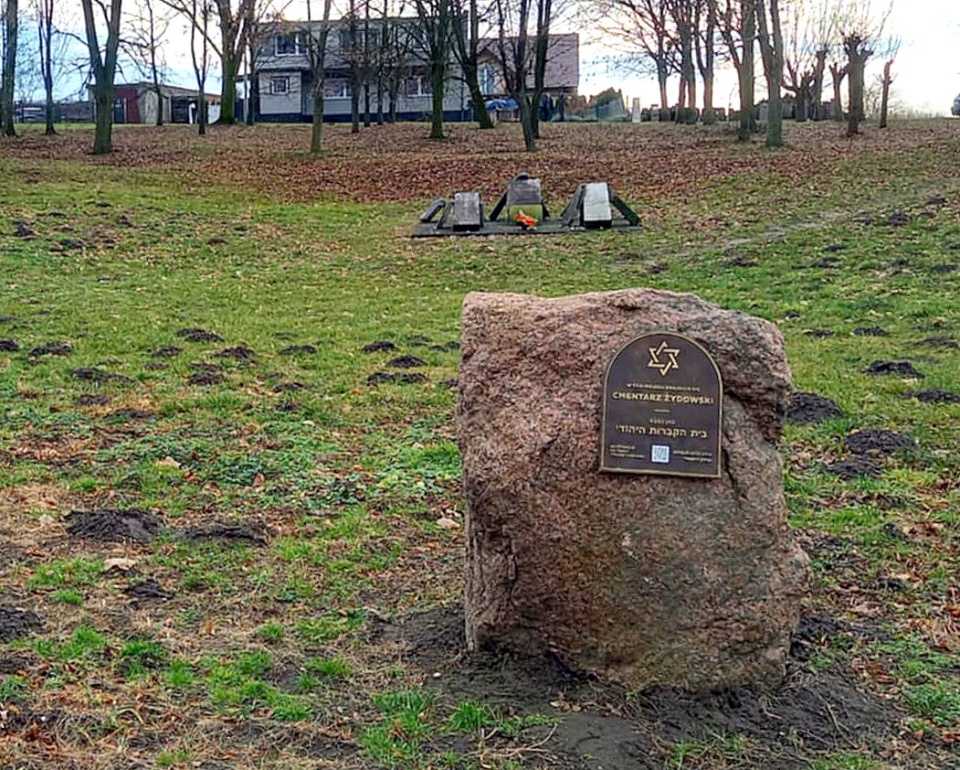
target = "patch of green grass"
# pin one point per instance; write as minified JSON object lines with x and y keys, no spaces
{"x":13,"y":689}
{"x":271,"y":632}
{"x":67,"y":596}
{"x":72,"y":573}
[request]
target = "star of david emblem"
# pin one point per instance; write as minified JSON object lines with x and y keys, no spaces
{"x":663,"y":358}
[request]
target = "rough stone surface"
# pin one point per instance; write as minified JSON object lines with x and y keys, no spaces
{"x":641,"y":580}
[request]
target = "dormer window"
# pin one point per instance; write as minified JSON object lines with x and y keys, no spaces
{"x":290,"y":45}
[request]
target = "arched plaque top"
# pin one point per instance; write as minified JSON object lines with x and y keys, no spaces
{"x":662,"y":408}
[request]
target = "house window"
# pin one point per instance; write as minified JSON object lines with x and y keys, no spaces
{"x":417,"y":85}
{"x":290,"y":45}
{"x":336,"y":88}
{"x":279,"y":85}
{"x":372,"y":36}
{"x":488,"y":79}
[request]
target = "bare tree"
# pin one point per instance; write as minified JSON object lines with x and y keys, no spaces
{"x":45,"y":36}
{"x":147,"y":29}
{"x":316,"y":35}
{"x":465,"y":29}
{"x":886,"y":81}
{"x":771,"y":49}
{"x":434,"y":42}
{"x":103,"y":68}
{"x":201,"y":11}
{"x":11,"y":24}
{"x":809,"y":31}
{"x":737,"y":24}
{"x":523,"y":47}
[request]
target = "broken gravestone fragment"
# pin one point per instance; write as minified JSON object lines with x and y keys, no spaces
{"x":640,"y":579}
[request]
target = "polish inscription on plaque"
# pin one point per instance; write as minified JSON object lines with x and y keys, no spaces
{"x":662,"y":409}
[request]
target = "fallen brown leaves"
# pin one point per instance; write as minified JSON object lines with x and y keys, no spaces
{"x":650,"y":163}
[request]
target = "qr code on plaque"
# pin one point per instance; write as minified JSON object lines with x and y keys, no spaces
{"x":659,"y":453}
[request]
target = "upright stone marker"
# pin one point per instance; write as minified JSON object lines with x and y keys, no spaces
{"x":639,"y":575}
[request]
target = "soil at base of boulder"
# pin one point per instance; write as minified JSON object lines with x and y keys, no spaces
{"x":808,"y":408}
{"x":855,"y":467}
{"x":16,"y":622}
{"x":114,"y":526}
{"x":879,"y":441}
{"x":901,"y":368}
{"x":601,"y":726}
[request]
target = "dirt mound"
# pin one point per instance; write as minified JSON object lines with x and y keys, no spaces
{"x":98,"y":375}
{"x":934,"y":396}
{"x":406,"y":362}
{"x":16,"y":622}
{"x":819,"y":333}
{"x":251,"y":533}
{"x":901,"y":368}
{"x":878,"y":441}
{"x":129,"y":413}
{"x":287,"y":387}
{"x":408,"y":378}
{"x":52,"y":349}
{"x":92,"y":399}
{"x":9,"y":346}
{"x":870,"y":331}
{"x":170,"y":351}
{"x":808,"y":408}
{"x":114,"y":526}
{"x":939,"y":342}
{"x":296,"y":350}
{"x":196,"y":334}
{"x":147,"y":590}
{"x":239,"y":353}
{"x":379,"y":346}
{"x":855,"y":467}
{"x":602,"y":726}
{"x":206,"y":378}
{"x":452,"y":345}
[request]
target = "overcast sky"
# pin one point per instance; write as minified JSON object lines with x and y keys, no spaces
{"x":926,"y":71}
{"x":927,"y":68}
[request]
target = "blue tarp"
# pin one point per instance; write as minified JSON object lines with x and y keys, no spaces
{"x":502,"y":104}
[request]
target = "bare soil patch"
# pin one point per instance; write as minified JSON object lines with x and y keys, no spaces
{"x":114,"y":526}
{"x":809,"y":408}
{"x":603,"y":726}
{"x":16,"y":622}
{"x":878,"y":441}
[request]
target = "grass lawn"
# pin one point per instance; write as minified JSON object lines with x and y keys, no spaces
{"x":188,"y":336}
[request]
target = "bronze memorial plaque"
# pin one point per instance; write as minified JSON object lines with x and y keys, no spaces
{"x":662,"y":409}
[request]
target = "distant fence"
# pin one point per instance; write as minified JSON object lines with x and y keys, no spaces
{"x":63,"y":112}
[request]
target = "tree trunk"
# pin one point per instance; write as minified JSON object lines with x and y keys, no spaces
{"x":885,"y":95}
{"x":526,"y":123}
{"x":748,"y":121}
{"x":771,"y":48}
{"x":857,"y":57}
{"x":11,"y":20}
{"x":818,"y":73}
{"x":316,"y":134}
{"x":228,"y":92}
{"x":103,"y":119}
{"x":838,"y":74}
{"x":437,"y":75}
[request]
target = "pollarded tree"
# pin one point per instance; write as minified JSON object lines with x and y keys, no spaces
{"x":103,"y":67}
{"x":737,"y":25}
{"x":465,"y":32}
